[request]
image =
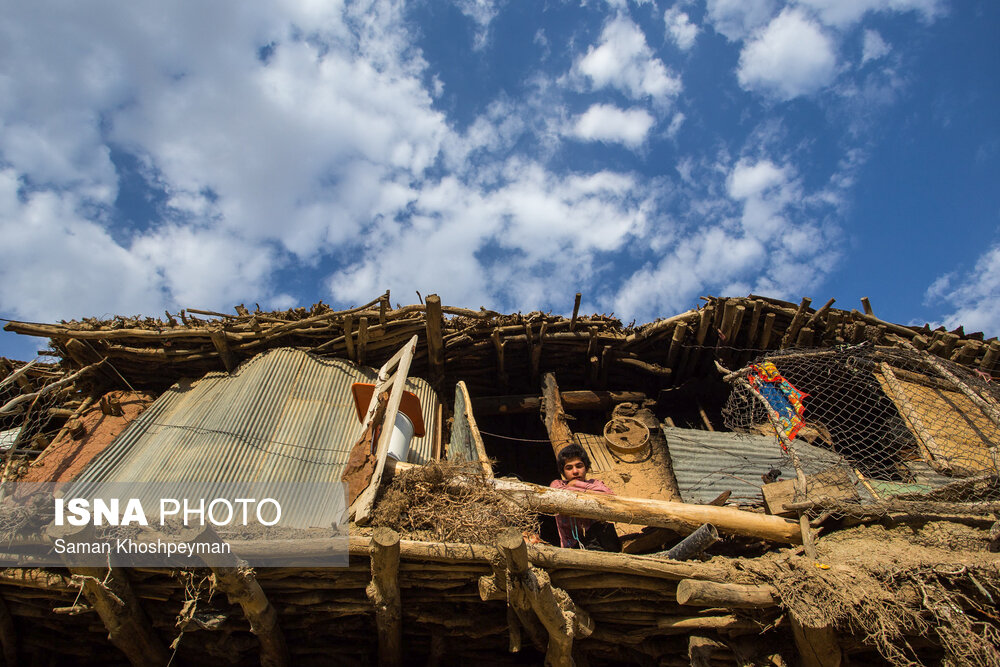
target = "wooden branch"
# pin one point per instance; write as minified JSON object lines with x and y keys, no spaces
{"x":571,"y":400}
{"x":797,"y":320}
{"x":111,"y":596}
{"x":17,"y":400}
{"x":553,"y":414}
{"x":383,"y":591}
{"x":576,"y":309}
{"x":676,"y":343}
{"x":222,"y":347}
{"x":682,"y":517}
{"x":695,"y":593}
{"x":531,"y":588}
{"x":661,"y":326}
{"x":17,"y":376}
{"x":819,"y":314}
{"x":435,"y":346}
{"x":240,"y":585}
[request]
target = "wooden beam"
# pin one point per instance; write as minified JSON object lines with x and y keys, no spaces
{"x":797,"y":320}
{"x":435,"y":345}
{"x":818,"y":646}
{"x":576,"y":310}
{"x":682,"y":517}
{"x":571,"y":400}
{"x":222,"y":348}
{"x":362,"y":340}
{"x":111,"y":596}
{"x":383,"y":591}
{"x":349,"y":338}
{"x":239,"y":583}
{"x":676,"y":343}
{"x":696,"y":593}
{"x":765,"y":334}
{"x":529,"y":588}
{"x":553,"y":414}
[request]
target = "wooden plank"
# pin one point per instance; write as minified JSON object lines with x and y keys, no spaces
{"x":435,"y":345}
{"x":831,"y":483}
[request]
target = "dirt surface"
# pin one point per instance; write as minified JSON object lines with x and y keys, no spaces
{"x":65,"y":457}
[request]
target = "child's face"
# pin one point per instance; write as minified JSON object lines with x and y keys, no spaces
{"x":574,"y":469}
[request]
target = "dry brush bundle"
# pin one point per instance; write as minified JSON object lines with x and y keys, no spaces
{"x":427,"y":500}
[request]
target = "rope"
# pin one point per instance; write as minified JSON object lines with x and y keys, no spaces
{"x":508,"y":437}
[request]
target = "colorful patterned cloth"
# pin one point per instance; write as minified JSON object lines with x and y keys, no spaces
{"x":779,"y":393}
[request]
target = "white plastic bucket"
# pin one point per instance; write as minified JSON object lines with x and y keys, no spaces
{"x":402,"y":433}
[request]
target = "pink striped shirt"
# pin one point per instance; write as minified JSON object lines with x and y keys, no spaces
{"x":567,"y":525}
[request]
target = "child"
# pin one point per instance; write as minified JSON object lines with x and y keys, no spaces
{"x":574,"y":533}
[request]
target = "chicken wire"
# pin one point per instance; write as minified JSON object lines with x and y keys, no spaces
{"x":27,"y":425}
{"x":910,"y":432}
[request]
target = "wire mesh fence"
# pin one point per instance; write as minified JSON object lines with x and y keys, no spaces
{"x":907,"y":431}
{"x":29,"y":417}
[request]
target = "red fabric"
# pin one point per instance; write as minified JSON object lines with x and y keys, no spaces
{"x":566,"y":524}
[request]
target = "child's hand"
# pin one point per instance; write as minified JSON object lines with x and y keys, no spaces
{"x":577,"y":484}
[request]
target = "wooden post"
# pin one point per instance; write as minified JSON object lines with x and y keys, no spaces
{"x":383,"y":591}
{"x":218,"y":337}
{"x":765,"y":334}
{"x":805,"y":338}
{"x":818,"y":646}
{"x":576,"y":309}
{"x":111,"y":596}
{"x":676,"y":343}
{"x":867,"y":305}
{"x":362,"y":340}
{"x":536,"y":352}
{"x":553,"y":414}
{"x":8,"y":635}
{"x":697,"y":593}
{"x":349,"y":338}
{"x":529,"y":588}
{"x":990,"y":358}
{"x":383,"y":307}
{"x":435,"y":345}
{"x":499,"y":344}
{"x":239,"y":583}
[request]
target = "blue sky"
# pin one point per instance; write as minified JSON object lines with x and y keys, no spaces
{"x":155,"y":156}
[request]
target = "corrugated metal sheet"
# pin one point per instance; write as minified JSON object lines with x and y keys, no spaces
{"x":708,"y":463}
{"x":284,"y":416}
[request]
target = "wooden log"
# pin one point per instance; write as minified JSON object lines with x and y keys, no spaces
{"x":349,"y":338}
{"x":239,"y":582}
{"x":16,"y":376}
{"x":435,"y":346}
{"x":112,"y":597}
{"x":989,"y":360}
{"x":797,"y":321}
{"x":383,"y":307}
{"x":531,"y":588}
{"x":647,"y":367}
{"x":694,"y":544}
{"x":661,"y":326}
{"x":682,"y":517}
{"x":572,"y":400}
{"x":695,"y":593}
{"x":899,"y":330}
{"x":576,"y":309}
{"x":805,"y":338}
{"x":818,"y":316}
{"x":765,"y":334}
{"x":221,"y":345}
{"x":362,"y":340}
{"x":676,"y":343}
{"x":867,"y":305}
{"x":12,"y":404}
{"x":758,"y":308}
{"x":700,"y":650}
{"x":383,"y":591}
{"x":818,"y":646}
{"x":553,"y":414}
{"x":499,"y":345}
{"x":536,"y":353}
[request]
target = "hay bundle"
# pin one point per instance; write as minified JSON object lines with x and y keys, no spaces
{"x":424,"y":502}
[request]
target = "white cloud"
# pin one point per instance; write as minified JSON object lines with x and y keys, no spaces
{"x":623,"y":60}
{"x":972,"y":298}
{"x":842,"y":13}
{"x":679,"y":27}
{"x":792,"y":56}
{"x":608,"y":123}
{"x":735,"y":19}
{"x":874,"y":47}
{"x":482,"y":13}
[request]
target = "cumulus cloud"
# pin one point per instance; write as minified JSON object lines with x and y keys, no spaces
{"x":735,"y":19}
{"x":792,"y":56}
{"x":622,"y":59}
{"x":679,"y":27}
{"x":842,"y":13}
{"x":874,"y":46}
{"x":608,"y":123}
{"x":972,"y":299}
